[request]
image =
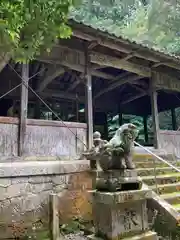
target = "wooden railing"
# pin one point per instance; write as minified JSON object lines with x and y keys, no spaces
{"x":42,"y":137}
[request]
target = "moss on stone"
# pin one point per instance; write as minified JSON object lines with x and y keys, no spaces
{"x":165,"y":228}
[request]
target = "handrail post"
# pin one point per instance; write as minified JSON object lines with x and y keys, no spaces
{"x":54,"y":217}
{"x":155,"y":176}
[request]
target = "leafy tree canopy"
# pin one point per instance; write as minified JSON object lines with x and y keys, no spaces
{"x":28,"y":26}
{"x":154,"y":23}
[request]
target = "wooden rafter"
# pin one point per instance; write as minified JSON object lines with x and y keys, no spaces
{"x":76,"y":82}
{"x":114,"y":62}
{"x":124,"y":46}
{"x":138,"y":88}
{"x":79,"y":68}
{"x":142,"y":94}
{"x":62,"y":95}
{"x":52,"y":73}
{"x":118,"y":83}
{"x":67,"y":56}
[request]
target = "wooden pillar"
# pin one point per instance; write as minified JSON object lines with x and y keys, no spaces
{"x":24,"y":108}
{"x":106,"y":132}
{"x":88,"y":108}
{"x":54,"y":110}
{"x":37,"y":106}
{"x":145,"y":128}
{"x":77,"y":109}
{"x":120,"y":115}
{"x":54,"y":217}
{"x":120,"y":119}
{"x":154,"y":110}
{"x":174,"y":123}
{"x":88,"y":103}
{"x":37,"y":111}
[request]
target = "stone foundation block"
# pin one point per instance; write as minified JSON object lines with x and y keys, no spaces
{"x":120,"y":214}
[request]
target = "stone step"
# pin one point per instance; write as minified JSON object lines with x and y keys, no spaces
{"x":161,"y":179}
{"x":150,"y":164}
{"x":6,"y":159}
{"x":172,"y":198}
{"x":167,"y":188}
{"x":159,"y":171}
{"x":177,"y":207}
{"x":143,"y":236}
{"x":143,"y":153}
{"x":152,"y":157}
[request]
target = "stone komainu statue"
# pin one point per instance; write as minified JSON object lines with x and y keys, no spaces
{"x":117,"y":153}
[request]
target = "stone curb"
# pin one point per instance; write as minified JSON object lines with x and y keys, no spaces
{"x":35,"y":168}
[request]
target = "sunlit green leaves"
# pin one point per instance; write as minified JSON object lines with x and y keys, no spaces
{"x":29,"y":26}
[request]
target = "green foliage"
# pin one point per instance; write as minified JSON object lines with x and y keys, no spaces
{"x":76,"y":225}
{"x":29,"y":26}
{"x":154,"y":23}
{"x":165,"y":123}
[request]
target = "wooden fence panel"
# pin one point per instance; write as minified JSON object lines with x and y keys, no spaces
{"x":42,"y":138}
{"x":170,"y":141}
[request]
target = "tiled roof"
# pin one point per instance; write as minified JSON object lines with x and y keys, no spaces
{"x":120,"y":37}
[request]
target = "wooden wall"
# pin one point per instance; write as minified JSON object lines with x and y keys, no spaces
{"x":170,"y":141}
{"x":43,"y":137}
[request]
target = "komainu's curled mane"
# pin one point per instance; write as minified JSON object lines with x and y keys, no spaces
{"x":117,"y":153}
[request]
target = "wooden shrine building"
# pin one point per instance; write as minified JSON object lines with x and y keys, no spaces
{"x":92,"y":70}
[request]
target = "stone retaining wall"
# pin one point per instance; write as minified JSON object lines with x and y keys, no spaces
{"x":25,"y":189}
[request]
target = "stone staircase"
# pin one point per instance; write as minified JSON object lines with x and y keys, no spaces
{"x":161,"y":178}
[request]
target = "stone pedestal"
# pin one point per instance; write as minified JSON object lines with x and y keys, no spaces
{"x":121,"y":215}
{"x":117,"y":180}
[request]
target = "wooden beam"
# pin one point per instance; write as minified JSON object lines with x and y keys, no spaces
{"x":62,"y":95}
{"x":76,"y":82}
{"x":174,"y":122}
{"x":92,"y":45}
{"x":124,"y":46}
{"x":134,"y":98}
{"x":118,"y":83}
{"x":120,"y":64}
{"x":129,"y":56}
{"x":51,"y":74}
{"x":95,"y":67}
{"x":154,"y":109}
{"x":24,"y":108}
{"x":79,"y":79}
{"x":101,"y":41}
{"x":78,"y":68}
{"x":122,"y":75}
{"x":146,"y":137}
{"x":138,"y":88}
{"x":65,"y":55}
{"x":168,"y":64}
